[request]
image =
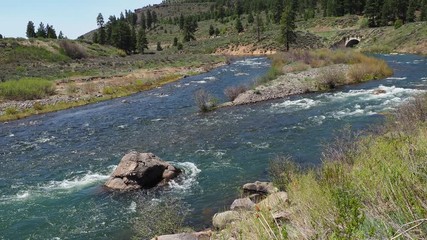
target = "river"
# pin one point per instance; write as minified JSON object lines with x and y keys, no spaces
{"x":53,"y":165}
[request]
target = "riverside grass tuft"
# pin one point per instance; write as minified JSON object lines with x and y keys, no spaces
{"x":26,"y":89}
{"x":370,"y":186}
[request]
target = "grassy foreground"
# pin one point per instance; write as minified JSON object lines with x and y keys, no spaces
{"x":370,"y":187}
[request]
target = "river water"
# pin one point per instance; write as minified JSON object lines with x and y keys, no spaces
{"x":53,"y":165}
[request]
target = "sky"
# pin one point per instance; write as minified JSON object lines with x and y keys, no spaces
{"x":72,"y":17}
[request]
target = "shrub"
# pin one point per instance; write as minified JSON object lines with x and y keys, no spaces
{"x":233,"y":92}
{"x":26,"y":89}
{"x":72,"y":50}
{"x":204,"y":101}
{"x":369,"y":69}
{"x":330,"y":78}
{"x":398,"y":24}
{"x":11,"y":111}
{"x":158,"y":218}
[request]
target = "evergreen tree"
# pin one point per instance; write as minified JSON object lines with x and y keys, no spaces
{"x":143,"y":21}
{"x":287,"y":23}
{"x":102,"y":38}
{"x":175,"y":42}
{"x":154,"y":18}
{"x":159,"y":46}
{"x":238,"y":9}
{"x":259,"y":24}
{"x":1,"y":36}
{"x":61,"y":35}
{"x":31,"y":30}
{"x":149,"y":19}
{"x":121,"y":36}
{"x":217,"y":32}
{"x":181,"y":22}
{"x":50,"y":32}
{"x":211,"y":30}
{"x":142,"y":42}
{"x":41,"y":31}
{"x":134,"y":40}
{"x":278,"y":10}
{"x":239,"y":26}
{"x":372,"y":12}
{"x":423,"y":15}
{"x":251,"y":18}
{"x":410,"y":13}
{"x":95,"y":37}
{"x":190,"y":27}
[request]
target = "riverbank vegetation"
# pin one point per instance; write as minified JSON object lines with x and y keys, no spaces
{"x":26,"y":89}
{"x":370,"y":186}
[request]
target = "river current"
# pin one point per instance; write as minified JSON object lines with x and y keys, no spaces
{"x":52,"y":166}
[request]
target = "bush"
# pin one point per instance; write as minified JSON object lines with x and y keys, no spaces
{"x":159,"y":218}
{"x":398,"y":24}
{"x":368,"y":69}
{"x":204,"y":101}
{"x":329,"y":79}
{"x":73,"y":50}
{"x":26,"y":89}
{"x":233,"y":92}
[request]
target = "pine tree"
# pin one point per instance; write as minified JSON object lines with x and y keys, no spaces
{"x":190,"y":27}
{"x":423,"y":15}
{"x":175,"y":42}
{"x":100,"y":20}
{"x":217,"y":32}
{"x":31,"y":30}
{"x":143,"y":21}
{"x":278,"y":10}
{"x":287,"y":23}
{"x":372,"y":12}
{"x":211,"y":30}
{"x":181,"y":22}
{"x":134,"y":40}
{"x":95,"y":37}
{"x":142,"y":42}
{"x":239,"y":26}
{"x":102,"y":38}
{"x":251,"y":18}
{"x":121,"y":36}
{"x":50,"y":32}
{"x":154,"y":18}
{"x":41,"y":31}
{"x":238,"y":9}
{"x":410,"y":13}
{"x":149,"y":19}
{"x":159,"y":46}
{"x":1,"y":36}
{"x":61,"y":35}
{"x":259,"y":26}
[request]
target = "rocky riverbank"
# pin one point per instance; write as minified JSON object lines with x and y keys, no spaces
{"x":310,"y":80}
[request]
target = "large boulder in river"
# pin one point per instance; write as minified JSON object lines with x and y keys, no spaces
{"x":141,"y":170}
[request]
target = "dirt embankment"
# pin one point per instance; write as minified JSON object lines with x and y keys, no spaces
{"x":244,"y":50}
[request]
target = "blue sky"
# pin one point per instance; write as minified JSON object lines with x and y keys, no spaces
{"x":72,"y":17}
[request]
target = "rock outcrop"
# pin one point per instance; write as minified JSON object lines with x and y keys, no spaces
{"x":243,"y":203}
{"x":221,"y":220}
{"x":260,"y":188}
{"x":141,"y":171}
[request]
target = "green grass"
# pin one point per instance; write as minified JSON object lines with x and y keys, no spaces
{"x":26,"y":89}
{"x":369,"y":187}
{"x":19,"y":53}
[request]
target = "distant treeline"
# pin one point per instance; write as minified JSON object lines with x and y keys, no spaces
{"x":378,"y":12}
{"x":42,"y":31}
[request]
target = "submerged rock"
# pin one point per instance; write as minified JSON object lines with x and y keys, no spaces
{"x":141,"y":170}
{"x":260,"y":187}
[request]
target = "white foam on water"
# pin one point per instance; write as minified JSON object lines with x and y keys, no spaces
{"x":122,"y":126}
{"x":201,"y":81}
{"x":132,"y":207}
{"x":304,"y":103}
{"x":241,"y":74}
{"x":45,"y":139}
{"x":317,"y":120}
{"x":397,"y":78}
{"x":76,"y":182}
{"x":23,"y":195}
{"x":188,"y":178}
{"x":263,"y":145}
{"x":210,"y":78}
{"x":11,"y":135}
